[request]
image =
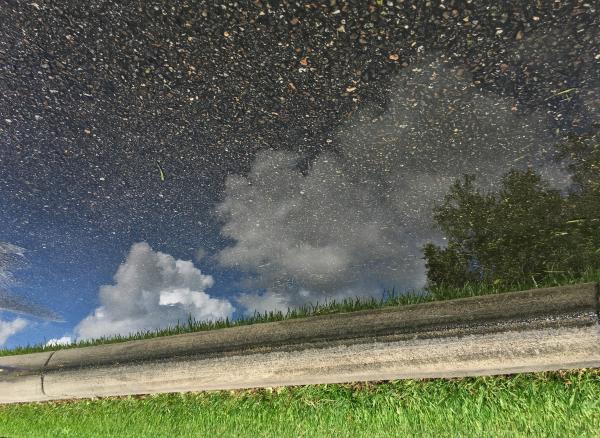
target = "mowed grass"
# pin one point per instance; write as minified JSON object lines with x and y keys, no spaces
{"x":389,"y":298}
{"x":549,"y":404}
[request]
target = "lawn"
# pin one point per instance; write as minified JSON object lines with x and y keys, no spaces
{"x":535,"y":404}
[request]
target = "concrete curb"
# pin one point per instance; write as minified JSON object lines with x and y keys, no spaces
{"x":535,"y":330}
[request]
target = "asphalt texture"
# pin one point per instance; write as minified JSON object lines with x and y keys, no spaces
{"x":104,"y":90}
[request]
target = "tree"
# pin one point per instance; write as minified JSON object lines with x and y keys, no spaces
{"x":447,"y":266}
{"x":456,"y":217}
{"x":582,"y":152}
{"x":509,"y":236}
{"x":525,"y":221}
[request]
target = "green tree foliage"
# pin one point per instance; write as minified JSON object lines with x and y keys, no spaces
{"x":526,"y":239}
{"x":524,"y":231}
{"x":447,"y":266}
{"x":582,"y":153}
{"x":457,"y":217}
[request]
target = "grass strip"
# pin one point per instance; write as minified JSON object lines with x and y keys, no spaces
{"x":531,"y":404}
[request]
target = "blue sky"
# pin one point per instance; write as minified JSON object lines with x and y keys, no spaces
{"x":54,"y":279}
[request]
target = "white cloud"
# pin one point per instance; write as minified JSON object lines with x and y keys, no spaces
{"x":65,"y":340}
{"x":7,"y":329}
{"x":152,"y":290}
{"x":12,"y":258}
{"x":356,"y":220}
{"x":200,"y":254}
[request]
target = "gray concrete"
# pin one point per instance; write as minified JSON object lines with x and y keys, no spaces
{"x":20,"y":377}
{"x":542,"y":329}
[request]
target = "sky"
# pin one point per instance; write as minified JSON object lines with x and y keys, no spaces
{"x":162,"y":160}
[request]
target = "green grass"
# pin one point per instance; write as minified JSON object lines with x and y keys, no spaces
{"x":348,"y":305}
{"x":550,"y":404}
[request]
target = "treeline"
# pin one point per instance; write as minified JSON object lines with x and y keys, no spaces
{"x":524,"y":232}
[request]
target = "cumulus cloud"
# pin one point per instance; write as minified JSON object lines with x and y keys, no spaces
{"x":355,"y":222}
{"x":65,"y":340}
{"x":9,"y":328}
{"x":152,"y":290}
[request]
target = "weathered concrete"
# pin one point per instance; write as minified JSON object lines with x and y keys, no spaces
{"x":535,"y":330}
{"x":20,"y":377}
{"x":435,"y":357}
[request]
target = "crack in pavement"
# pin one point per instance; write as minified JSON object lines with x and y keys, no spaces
{"x":43,"y":368}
